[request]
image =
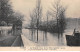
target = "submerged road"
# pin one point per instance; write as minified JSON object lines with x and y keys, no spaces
{"x":45,"y":39}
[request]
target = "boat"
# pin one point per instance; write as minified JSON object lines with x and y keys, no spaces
{"x":74,"y":39}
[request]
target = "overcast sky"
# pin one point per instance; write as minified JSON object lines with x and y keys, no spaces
{"x":26,"y":6}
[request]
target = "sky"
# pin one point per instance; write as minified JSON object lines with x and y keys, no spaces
{"x":27,"y":6}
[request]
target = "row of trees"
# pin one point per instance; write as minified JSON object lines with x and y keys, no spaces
{"x":58,"y":12}
{"x":7,"y":14}
{"x":36,"y":17}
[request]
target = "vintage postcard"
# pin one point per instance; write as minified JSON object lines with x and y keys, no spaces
{"x":39,"y":25}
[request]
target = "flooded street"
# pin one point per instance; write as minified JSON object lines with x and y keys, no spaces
{"x":44,"y":38}
{"x":51,"y":39}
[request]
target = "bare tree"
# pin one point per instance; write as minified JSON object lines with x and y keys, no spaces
{"x":38,"y":13}
{"x":62,"y":21}
{"x":36,"y":16}
{"x":32,"y":23}
{"x":59,"y":11}
{"x":47,"y":15}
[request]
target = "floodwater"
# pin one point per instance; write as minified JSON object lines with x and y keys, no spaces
{"x":51,"y":39}
{"x":44,"y":38}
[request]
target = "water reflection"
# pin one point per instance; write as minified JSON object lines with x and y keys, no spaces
{"x":44,"y":38}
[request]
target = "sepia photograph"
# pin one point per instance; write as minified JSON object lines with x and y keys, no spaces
{"x":25,"y":23}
